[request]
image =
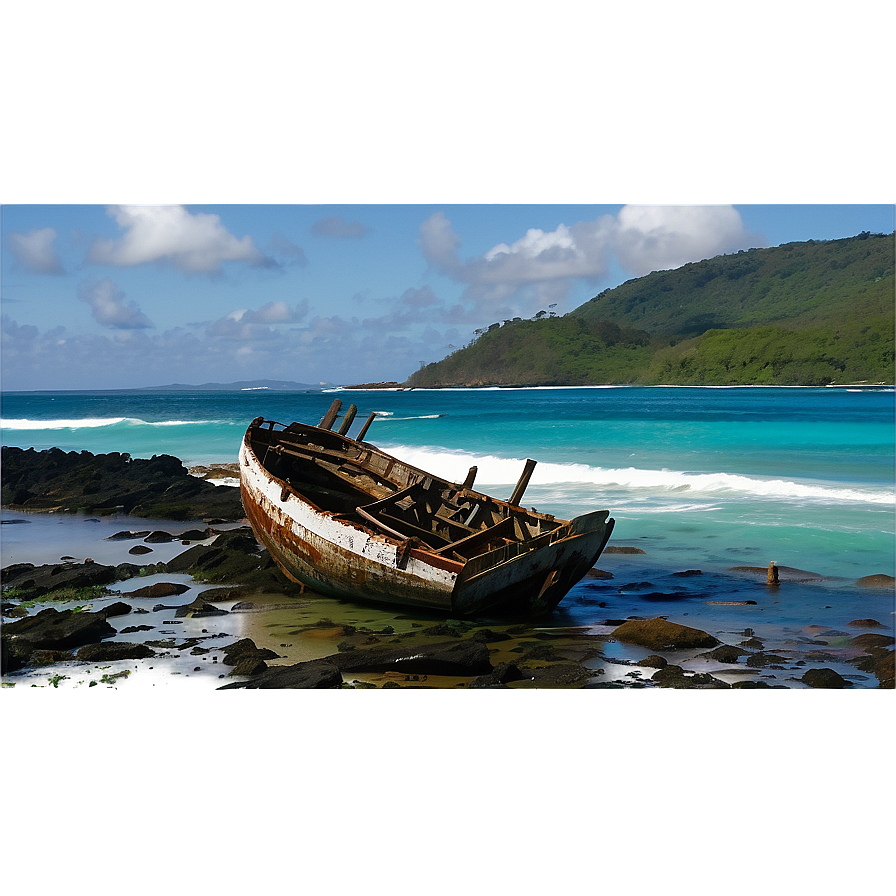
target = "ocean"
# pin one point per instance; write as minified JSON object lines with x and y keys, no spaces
{"x":709,"y":477}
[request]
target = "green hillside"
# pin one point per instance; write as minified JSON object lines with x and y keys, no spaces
{"x":799,"y":314}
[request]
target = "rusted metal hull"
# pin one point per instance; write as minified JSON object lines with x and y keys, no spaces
{"x":355,"y":555}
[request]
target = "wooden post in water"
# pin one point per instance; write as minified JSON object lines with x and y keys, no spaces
{"x":365,"y":427}
{"x":517,"y":495}
{"x":330,"y":417}
{"x":347,"y":420}
{"x":772,"y":577}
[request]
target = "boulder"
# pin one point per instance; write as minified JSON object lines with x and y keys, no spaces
{"x":824,"y":678}
{"x":159,"y":537}
{"x":725,"y":654}
{"x":119,"y":608}
{"x":36,"y":581}
{"x":114,"y":650}
{"x":876,"y":581}
{"x":871,"y":639}
{"x":245,"y":649}
{"x":660,"y":634}
{"x":249,"y":665}
{"x":461,"y":657}
{"x":675,"y":677}
{"x":140,"y":549}
{"x":313,"y":674}
{"x":59,"y":629}
{"x":866,"y":623}
{"x":160,"y":589}
{"x":654,"y":661}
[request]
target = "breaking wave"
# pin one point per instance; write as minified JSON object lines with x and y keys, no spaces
{"x":94,"y":423}
{"x":502,"y":470}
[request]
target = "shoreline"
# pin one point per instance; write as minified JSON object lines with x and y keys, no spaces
{"x":765,"y":646}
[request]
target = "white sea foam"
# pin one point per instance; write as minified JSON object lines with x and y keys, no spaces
{"x":93,"y":423}
{"x":502,"y":470}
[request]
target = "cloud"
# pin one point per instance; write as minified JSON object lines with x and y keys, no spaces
{"x":109,"y":308}
{"x":541,"y":267}
{"x":170,"y":235}
{"x":288,"y":250}
{"x":660,"y":238}
{"x":338,"y":228}
{"x":249,"y":326}
{"x":35,"y":252}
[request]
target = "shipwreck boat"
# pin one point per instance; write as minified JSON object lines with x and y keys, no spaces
{"x":350,"y":521}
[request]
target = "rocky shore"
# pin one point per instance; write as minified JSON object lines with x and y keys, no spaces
{"x":219,"y":612}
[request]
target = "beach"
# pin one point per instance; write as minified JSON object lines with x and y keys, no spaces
{"x":708,"y":488}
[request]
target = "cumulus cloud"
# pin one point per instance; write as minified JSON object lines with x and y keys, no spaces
{"x":660,"y":238}
{"x":109,"y":308}
{"x":337,"y":227}
{"x":541,"y":266}
{"x":35,"y":251}
{"x":170,"y":235}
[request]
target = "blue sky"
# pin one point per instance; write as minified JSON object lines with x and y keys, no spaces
{"x":396,"y":177}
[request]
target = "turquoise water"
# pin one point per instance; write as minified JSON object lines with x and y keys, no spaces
{"x":707,"y":478}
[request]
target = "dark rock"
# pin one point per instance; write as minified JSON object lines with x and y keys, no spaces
{"x":128,"y":535}
{"x":131,"y":629}
{"x":622,"y":549}
{"x":140,"y":549}
{"x":245,"y":649}
{"x":558,"y":675}
{"x":659,"y":634}
{"x":654,"y":661}
{"x":313,"y":674}
{"x":488,"y":636}
{"x":36,"y":581}
{"x":159,"y":487}
{"x":675,"y":677}
{"x":119,"y":608}
{"x":501,"y":674}
{"x":249,"y":665}
{"x":747,"y":683}
{"x":725,"y":654}
{"x":114,"y":650}
{"x":194,"y":535}
{"x":52,"y":628}
{"x":15,"y":612}
{"x":752,"y":644}
{"x":866,"y":623}
{"x":877,"y":581}
{"x":688,"y":572}
{"x":199,"y":608}
{"x":824,"y":678}
{"x":872,"y":639}
{"x":761,"y":660}
{"x":159,"y":537}
{"x":462,"y":657}
{"x":241,"y":606}
{"x":598,"y":574}
{"x":160,"y":589}
{"x":233,"y":556}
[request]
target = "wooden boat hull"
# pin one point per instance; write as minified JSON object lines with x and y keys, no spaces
{"x":346,"y":558}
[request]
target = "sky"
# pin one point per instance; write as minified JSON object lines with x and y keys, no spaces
{"x":340,"y":194}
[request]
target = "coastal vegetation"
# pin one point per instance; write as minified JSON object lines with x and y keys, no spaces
{"x":810,"y":313}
